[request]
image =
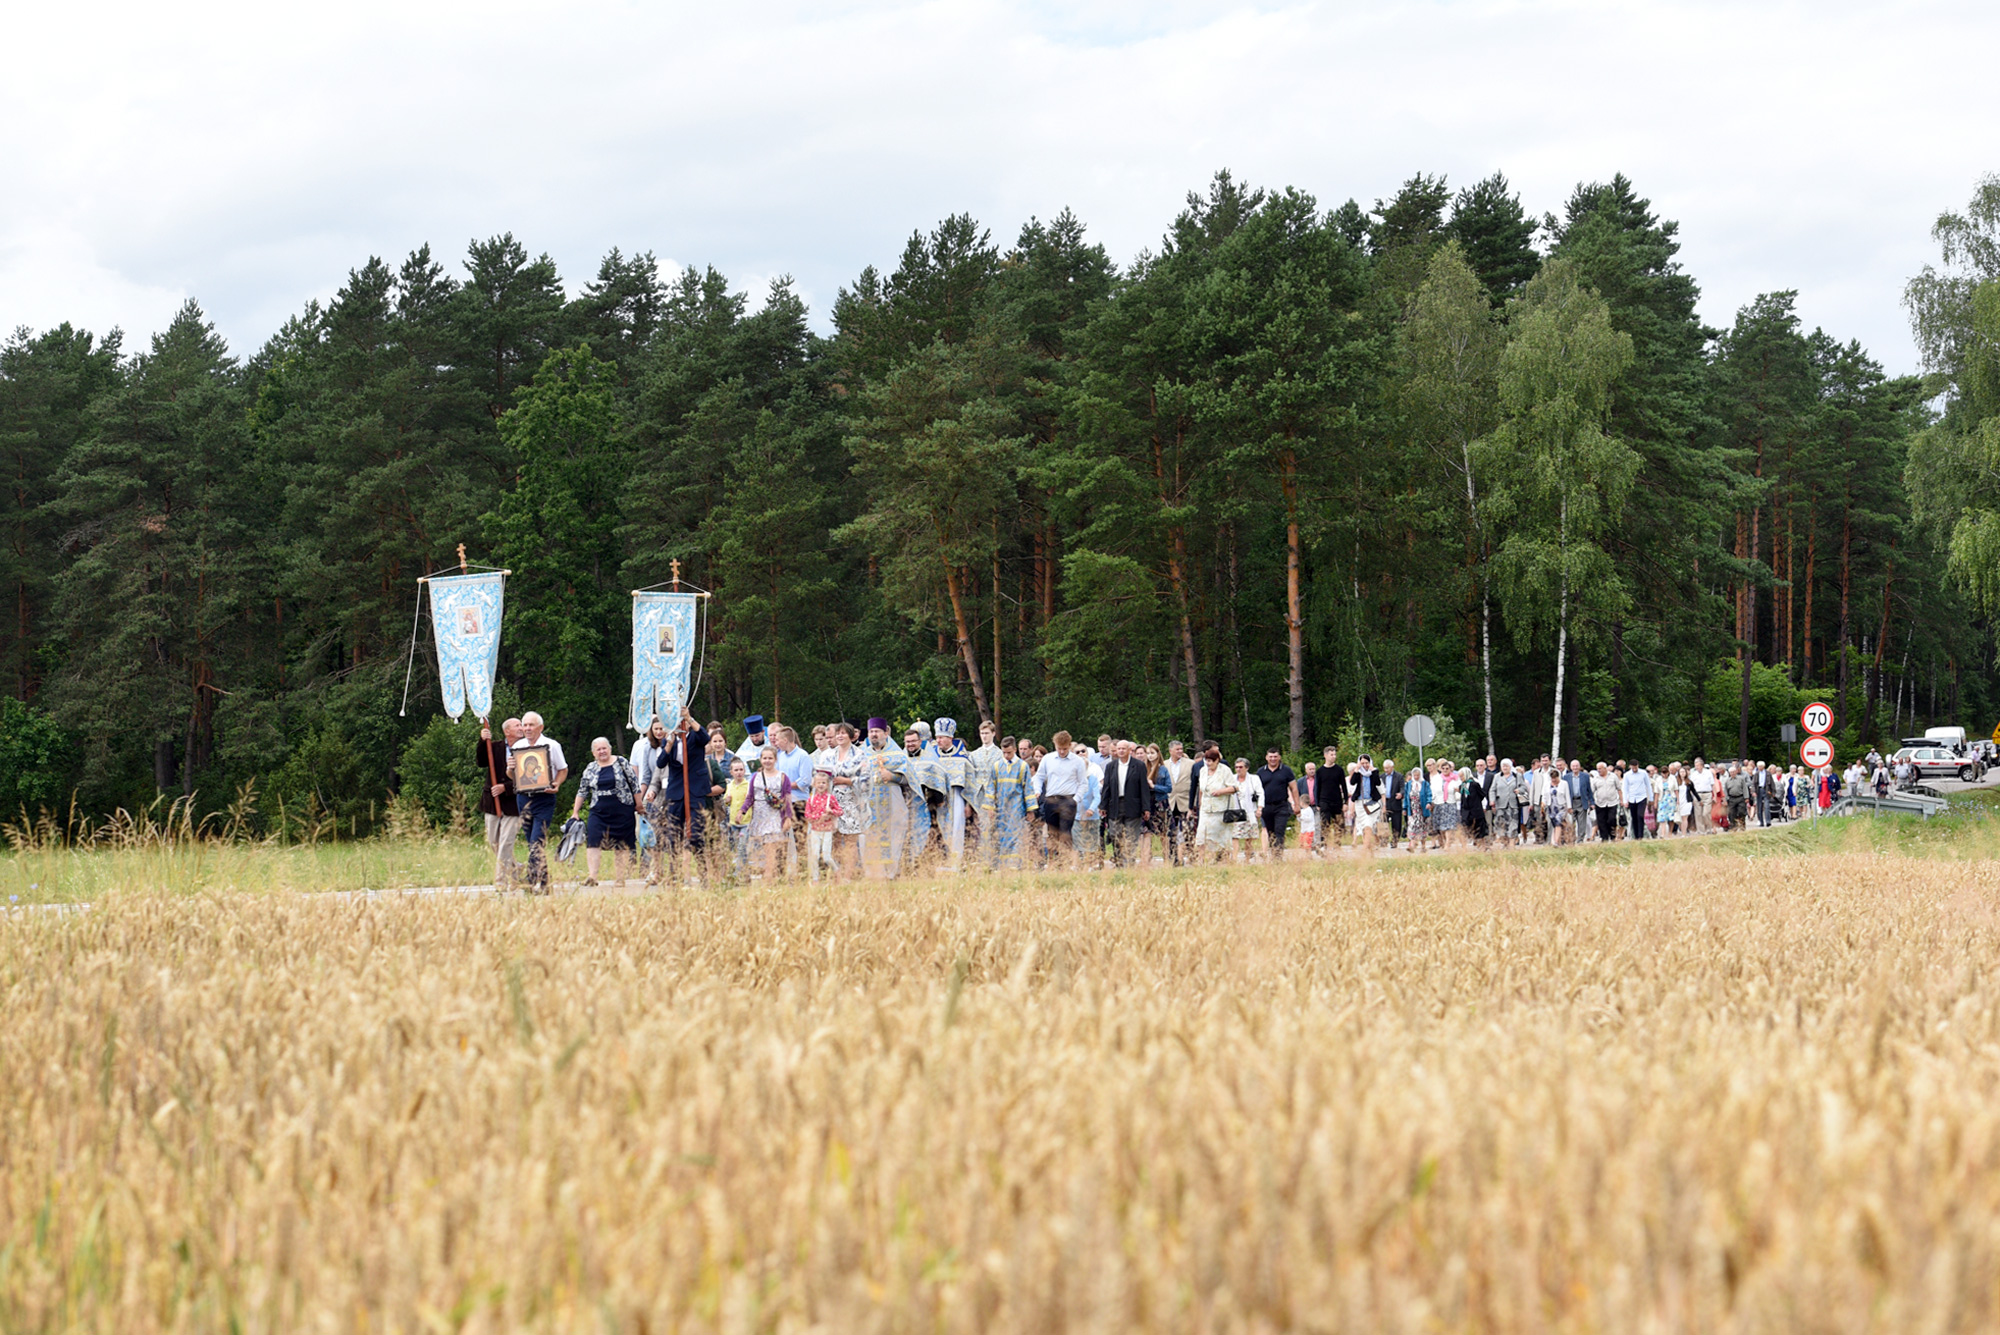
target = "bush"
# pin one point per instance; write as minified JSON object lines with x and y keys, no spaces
{"x":37,"y":760}
{"x":437,"y":769}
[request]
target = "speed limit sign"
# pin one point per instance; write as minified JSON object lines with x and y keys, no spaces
{"x":1818,"y":719}
{"x":1817,"y":752}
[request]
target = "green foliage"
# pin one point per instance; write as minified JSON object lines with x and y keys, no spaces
{"x":1774,"y":702}
{"x":438,"y":769}
{"x":1287,"y":467}
{"x":37,"y":760}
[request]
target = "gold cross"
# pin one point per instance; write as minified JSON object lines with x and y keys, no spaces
{"x":675,"y":565}
{"x":461,"y":558}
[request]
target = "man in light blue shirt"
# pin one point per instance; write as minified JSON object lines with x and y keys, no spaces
{"x":1638,"y":792}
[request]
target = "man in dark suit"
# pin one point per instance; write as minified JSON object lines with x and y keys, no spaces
{"x":1128,"y":800}
{"x":1330,"y":796}
{"x":681,"y":775}
{"x":1394,"y":787}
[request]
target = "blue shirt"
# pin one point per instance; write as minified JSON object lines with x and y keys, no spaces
{"x":797,"y":766}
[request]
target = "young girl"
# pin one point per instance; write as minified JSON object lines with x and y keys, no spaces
{"x":769,"y":814}
{"x":822,"y":815}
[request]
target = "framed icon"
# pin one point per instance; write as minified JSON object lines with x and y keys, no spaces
{"x":532,"y":770}
{"x":667,"y":640}
{"x":468,"y":621}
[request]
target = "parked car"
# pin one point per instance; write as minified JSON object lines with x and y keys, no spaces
{"x":1933,"y":762}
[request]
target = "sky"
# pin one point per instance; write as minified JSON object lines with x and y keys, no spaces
{"x":250,"y":155}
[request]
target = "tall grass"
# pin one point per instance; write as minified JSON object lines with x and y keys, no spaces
{"x":165,"y":847}
{"x":1699,"y":1094}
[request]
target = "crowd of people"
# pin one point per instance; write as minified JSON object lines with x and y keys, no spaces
{"x":867,"y":803}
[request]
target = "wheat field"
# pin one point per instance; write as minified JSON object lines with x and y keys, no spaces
{"x":1706,"y":1093}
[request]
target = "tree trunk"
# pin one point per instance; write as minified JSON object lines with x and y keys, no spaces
{"x":1881,"y":642}
{"x":1485,"y":595}
{"x":1846,"y":588}
{"x":1295,"y":625}
{"x":1791,"y":595}
{"x":996,"y":621}
{"x":1562,"y":628}
{"x":966,"y":652}
{"x":1177,"y":575}
{"x":1234,"y":634}
{"x":1805,"y":636}
{"x":1749,"y":624}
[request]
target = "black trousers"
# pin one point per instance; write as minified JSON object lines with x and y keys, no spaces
{"x":1394,"y":811}
{"x":1275,"y":821}
{"x":1607,"y":823}
{"x":1638,"y":810}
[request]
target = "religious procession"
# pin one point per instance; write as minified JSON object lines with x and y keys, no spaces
{"x":686,"y":806}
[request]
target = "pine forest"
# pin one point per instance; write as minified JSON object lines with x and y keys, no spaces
{"x":1286,"y":477}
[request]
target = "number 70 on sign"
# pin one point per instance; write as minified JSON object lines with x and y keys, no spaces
{"x":1817,"y":718}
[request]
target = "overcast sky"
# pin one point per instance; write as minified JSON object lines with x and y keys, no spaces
{"x":250,"y":155}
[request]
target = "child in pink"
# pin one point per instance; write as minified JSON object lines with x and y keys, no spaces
{"x":822,"y":812}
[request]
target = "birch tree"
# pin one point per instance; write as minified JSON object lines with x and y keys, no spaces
{"x":1559,"y":478}
{"x":1451,"y":348}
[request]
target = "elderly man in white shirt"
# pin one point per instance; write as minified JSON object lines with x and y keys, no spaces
{"x":1702,"y":779}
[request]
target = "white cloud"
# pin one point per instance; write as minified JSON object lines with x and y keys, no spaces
{"x":250,"y":155}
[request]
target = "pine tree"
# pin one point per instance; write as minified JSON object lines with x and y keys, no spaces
{"x":1497,"y":236}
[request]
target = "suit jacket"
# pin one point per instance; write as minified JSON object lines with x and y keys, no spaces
{"x":491,"y":757}
{"x":695,"y":782}
{"x":1393,"y":785}
{"x":1136,"y":801}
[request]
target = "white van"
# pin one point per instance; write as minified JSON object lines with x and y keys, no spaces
{"x":1945,"y":736}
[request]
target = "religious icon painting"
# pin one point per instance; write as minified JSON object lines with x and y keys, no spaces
{"x":666,"y":638}
{"x":532,"y":770}
{"x":468,"y":621}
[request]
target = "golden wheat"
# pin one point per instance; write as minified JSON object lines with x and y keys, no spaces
{"x":1716,"y":1094}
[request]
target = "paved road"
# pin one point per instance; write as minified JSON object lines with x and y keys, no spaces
{"x":1951,"y":786}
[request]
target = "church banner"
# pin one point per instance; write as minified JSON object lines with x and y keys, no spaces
{"x":663,"y":647}
{"x":465,"y":612}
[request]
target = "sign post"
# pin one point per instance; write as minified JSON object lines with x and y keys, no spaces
{"x":1420,"y":730}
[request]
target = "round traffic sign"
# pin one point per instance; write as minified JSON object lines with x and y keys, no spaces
{"x":1817,"y":752}
{"x":1818,"y":719}
{"x":1420,"y":730}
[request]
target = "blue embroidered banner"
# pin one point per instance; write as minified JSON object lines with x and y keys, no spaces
{"x":465,"y":613}
{"x":663,"y":648}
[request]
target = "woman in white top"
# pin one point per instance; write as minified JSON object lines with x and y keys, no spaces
{"x":1217,"y":784}
{"x":1250,"y":801}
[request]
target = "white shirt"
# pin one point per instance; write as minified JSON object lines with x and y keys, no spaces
{"x":642,"y":760}
{"x":1703,"y":780}
{"x":557,"y":761}
{"x":1060,"y":775}
{"x":1638,"y":785}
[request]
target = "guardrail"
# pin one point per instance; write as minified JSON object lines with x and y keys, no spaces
{"x":1918,"y":801}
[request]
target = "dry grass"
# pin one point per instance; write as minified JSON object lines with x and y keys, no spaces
{"x":1707,"y":1094}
